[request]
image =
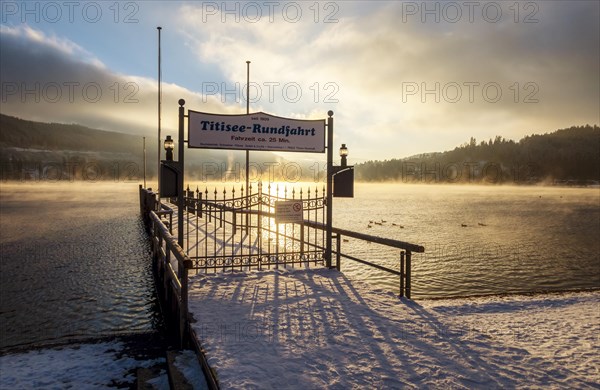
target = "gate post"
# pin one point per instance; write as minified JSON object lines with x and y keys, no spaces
{"x":329,"y":240}
{"x":259,"y":225}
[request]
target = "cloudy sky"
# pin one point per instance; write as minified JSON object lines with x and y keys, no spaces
{"x":402,"y":77}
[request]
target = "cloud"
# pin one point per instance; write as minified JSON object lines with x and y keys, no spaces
{"x":36,"y":37}
{"x":420,"y":86}
{"x":398,"y":85}
{"x":50,"y":79}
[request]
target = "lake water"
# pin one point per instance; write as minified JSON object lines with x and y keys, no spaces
{"x":76,"y":263}
{"x":516,"y":239}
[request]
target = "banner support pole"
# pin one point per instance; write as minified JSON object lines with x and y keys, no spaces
{"x":180,"y":193}
{"x":247,"y":151}
{"x":329,"y":231}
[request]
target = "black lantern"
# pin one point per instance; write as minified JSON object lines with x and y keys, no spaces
{"x":343,"y":155}
{"x":169,"y":146}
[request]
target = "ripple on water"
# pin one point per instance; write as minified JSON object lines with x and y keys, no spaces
{"x":515,"y":239}
{"x":75,"y":268}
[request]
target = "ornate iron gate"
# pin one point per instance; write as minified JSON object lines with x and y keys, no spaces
{"x":237,"y":230}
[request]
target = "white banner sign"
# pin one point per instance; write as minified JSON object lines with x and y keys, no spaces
{"x":256,"y":131}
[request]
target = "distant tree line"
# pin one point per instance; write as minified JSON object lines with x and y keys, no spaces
{"x":54,"y":151}
{"x":567,"y":156}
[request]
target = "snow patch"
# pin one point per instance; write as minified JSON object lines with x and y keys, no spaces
{"x":89,"y":366}
{"x":187,"y":363}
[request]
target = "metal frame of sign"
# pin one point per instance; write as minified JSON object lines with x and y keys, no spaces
{"x":255,"y":131}
{"x":181,"y":168}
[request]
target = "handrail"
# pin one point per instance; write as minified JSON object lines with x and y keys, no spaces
{"x":321,"y":226}
{"x":405,"y":247}
{"x":380,"y":267}
{"x":174,"y":283}
{"x":225,"y":206}
{"x":171,"y":241}
{"x":178,"y":279}
{"x":367,"y":237}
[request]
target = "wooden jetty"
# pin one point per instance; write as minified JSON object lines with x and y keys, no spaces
{"x":228,"y":231}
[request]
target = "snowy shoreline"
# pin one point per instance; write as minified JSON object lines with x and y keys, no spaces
{"x":91,"y":363}
{"x":542,"y":293}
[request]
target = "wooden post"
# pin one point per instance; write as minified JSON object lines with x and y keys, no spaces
{"x":338,"y":245}
{"x":401,"y":273}
{"x":408,"y":271}
{"x":183,"y":309}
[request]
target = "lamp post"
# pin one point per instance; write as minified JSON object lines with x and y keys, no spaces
{"x":247,"y":112}
{"x":144,"y":162}
{"x":344,"y":155}
{"x":169,"y":146}
{"x":343,"y":176}
{"x":172,"y":172}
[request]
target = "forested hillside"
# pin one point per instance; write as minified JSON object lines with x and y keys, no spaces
{"x":26,"y":134}
{"x":570,"y":156}
{"x":54,"y":151}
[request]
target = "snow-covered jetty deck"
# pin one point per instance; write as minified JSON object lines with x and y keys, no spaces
{"x":310,"y":329}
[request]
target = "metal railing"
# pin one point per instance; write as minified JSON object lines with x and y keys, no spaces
{"x":405,"y":256}
{"x":232,"y":221}
{"x":406,"y":250}
{"x":171,"y":263}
